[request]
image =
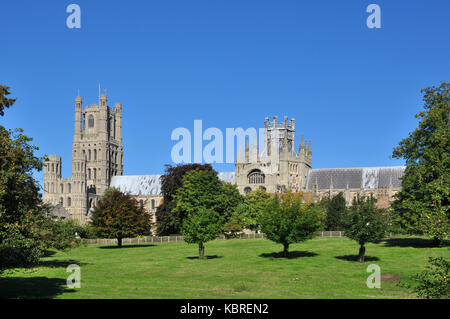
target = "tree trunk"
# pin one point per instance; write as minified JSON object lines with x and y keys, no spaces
{"x":119,"y":242}
{"x":362,"y":251}
{"x":285,"y":251}
{"x":201,"y":251}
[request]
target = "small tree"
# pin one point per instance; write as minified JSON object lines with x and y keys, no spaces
{"x":291,"y":220}
{"x":201,"y":227}
{"x":336,"y":211}
{"x":365,"y":223}
{"x":168,"y":221}
{"x":119,"y":215}
{"x":200,"y":189}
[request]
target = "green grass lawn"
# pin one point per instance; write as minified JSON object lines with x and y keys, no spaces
{"x":240,"y":268}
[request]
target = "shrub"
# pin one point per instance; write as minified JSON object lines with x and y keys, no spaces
{"x":18,"y":251}
{"x":433,"y":282}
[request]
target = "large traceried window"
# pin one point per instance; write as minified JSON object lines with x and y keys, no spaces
{"x":256,"y":177}
{"x":91,"y":121}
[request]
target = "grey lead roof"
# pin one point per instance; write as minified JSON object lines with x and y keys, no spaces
{"x":355,"y":178}
{"x":150,"y":184}
{"x":359,"y":178}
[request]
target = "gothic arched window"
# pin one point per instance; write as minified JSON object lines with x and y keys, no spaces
{"x":91,"y":121}
{"x":247,"y":190}
{"x":256,"y":177}
{"x":69,"y":201}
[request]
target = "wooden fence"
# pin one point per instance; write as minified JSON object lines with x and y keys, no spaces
{"x":174,"y":239}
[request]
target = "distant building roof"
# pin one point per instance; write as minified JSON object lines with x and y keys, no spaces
{"x":145,"y":185}
{"x":59,"y":212}
{"x":137,"y":184}
{"x":359,"y":177}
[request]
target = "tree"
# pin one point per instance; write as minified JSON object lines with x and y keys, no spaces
{"x":4,"y":101}
{"x":336,"y":210}
{"x":57,"y":233}
{"x":290,"y":220}
{"x":168,"y":221}
{"x":200,"y":189}
{"x":251,"y":209}
{"x":229,"y":199}
{"x":423,"y":203}
{"x":19,"y":191}
{"x":19,"y":195}
{"x":119,"y":215}
{"x":365,"y":223}
{"x":434,"y":282}
{"x":200,"y":227}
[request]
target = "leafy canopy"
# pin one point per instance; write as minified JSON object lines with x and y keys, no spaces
{"x":291,"y":220}
{"x":423,"y":203}
{"x":200,"y":189}
{"x":365,"y":222}
{"x":336,"y":211}
{"x":249,"y":211}
{"x":168,"y":221}
{"x":119,"y":215}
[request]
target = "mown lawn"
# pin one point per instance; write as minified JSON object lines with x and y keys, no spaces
{"x":241,"y":268}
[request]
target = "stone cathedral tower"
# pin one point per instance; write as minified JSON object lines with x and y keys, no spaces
{"x":97,"y":156}
{"x":279,"y":167}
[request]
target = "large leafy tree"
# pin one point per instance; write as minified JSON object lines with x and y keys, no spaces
{"x":19,"y":194}
{"x":119,"y":215}
{"x":291,"y":220}
{"x":365,"y":223}
{"x":25,"y":229}
{"x":168,"y":221}
{"x":336,"y":211}
{"x":249,"y":211}
{"x":201,"y":227}
{"x":423,"y":203}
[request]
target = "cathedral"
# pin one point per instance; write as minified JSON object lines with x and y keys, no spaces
{"x":97,"y":164}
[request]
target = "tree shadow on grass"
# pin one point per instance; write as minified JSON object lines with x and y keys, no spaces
{"x":205,"y":257}
{"x":412,"y":242}
{"x":127,"y":246}
{"x":355,"y":258}
{"x":32,"y":288}
{"x":292,"y":254}
{"x":59,"y":263}
{"x":48,"y":253}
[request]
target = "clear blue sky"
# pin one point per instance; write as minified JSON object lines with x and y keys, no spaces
{"x":353,"y":90}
